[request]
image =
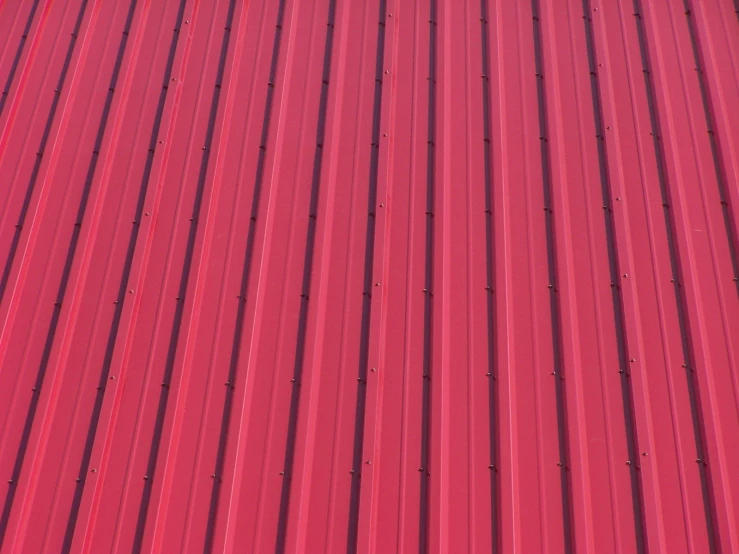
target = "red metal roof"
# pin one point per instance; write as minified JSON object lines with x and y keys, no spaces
{"x":369,"y":276}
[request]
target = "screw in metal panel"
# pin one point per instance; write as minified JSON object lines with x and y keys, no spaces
{"x":212,"y":475}
{"x":373,"y":369}
{"x":146,"y":477}
{"x":628,"y":462}
{"x":112,"y":377}
{"x":368,"y":462}
{"x":644,"y":454}
{"x":282,"y":473}
{"x":382,"y":205}
{"x":10,"y":481}
{"x":93,"y":470}
{"x":626,"y":275}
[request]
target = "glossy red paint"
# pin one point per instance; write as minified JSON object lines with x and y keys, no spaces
{"x":369,"y":276}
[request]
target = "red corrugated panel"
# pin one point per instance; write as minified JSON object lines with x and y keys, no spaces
{"x":369,"y":276}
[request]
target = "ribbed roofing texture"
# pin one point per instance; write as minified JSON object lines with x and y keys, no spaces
{"x":373,"y":276}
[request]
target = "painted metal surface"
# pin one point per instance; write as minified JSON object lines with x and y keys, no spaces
{"x":369,"y":276}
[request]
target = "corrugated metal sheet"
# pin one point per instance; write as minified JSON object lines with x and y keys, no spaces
{"x":373,"y":276}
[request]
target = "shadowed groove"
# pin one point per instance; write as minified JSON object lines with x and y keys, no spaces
{"x":369,"y":251}
{"x":17,"y":58}
{"x":244,"y":286}
{"x":556,"y":316}
{"x":428,"y":305}
{"x":123,"y":284}
{"x":41,"y":373}
{"x":716,"y":152}
{"x":174,"y":340}
{"x":675,"y":265}
{"x":490,"y":275}
{"x":627,"y":394}
{"x":287,"y":482}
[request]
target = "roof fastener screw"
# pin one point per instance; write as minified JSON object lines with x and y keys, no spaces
{"x":382,"y":205}
{"x":146,"y":213}
{"x":78,"y":480}
{"x":632,"y":360}
{"x":559,"y":464}
{"x":420,"y":469}
{"x":130,"y":291}
{"x":282,"y":473}
{"x":377,"y":284}
{"x":146,"y":477}
{"x":351,"y":472}
{"x":618,"y":199}
{"x":373,"y":369}
{"x":626,"y":275}
{"x":368,"y":462}
{"x":698,"y":461}
{"x":628,"y":462}
{"x":93,"y":470}
{"x":10,"y":481}
{"x":644,"y":454}
{"x":112,"y":377}
{"x":212,"y":475}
